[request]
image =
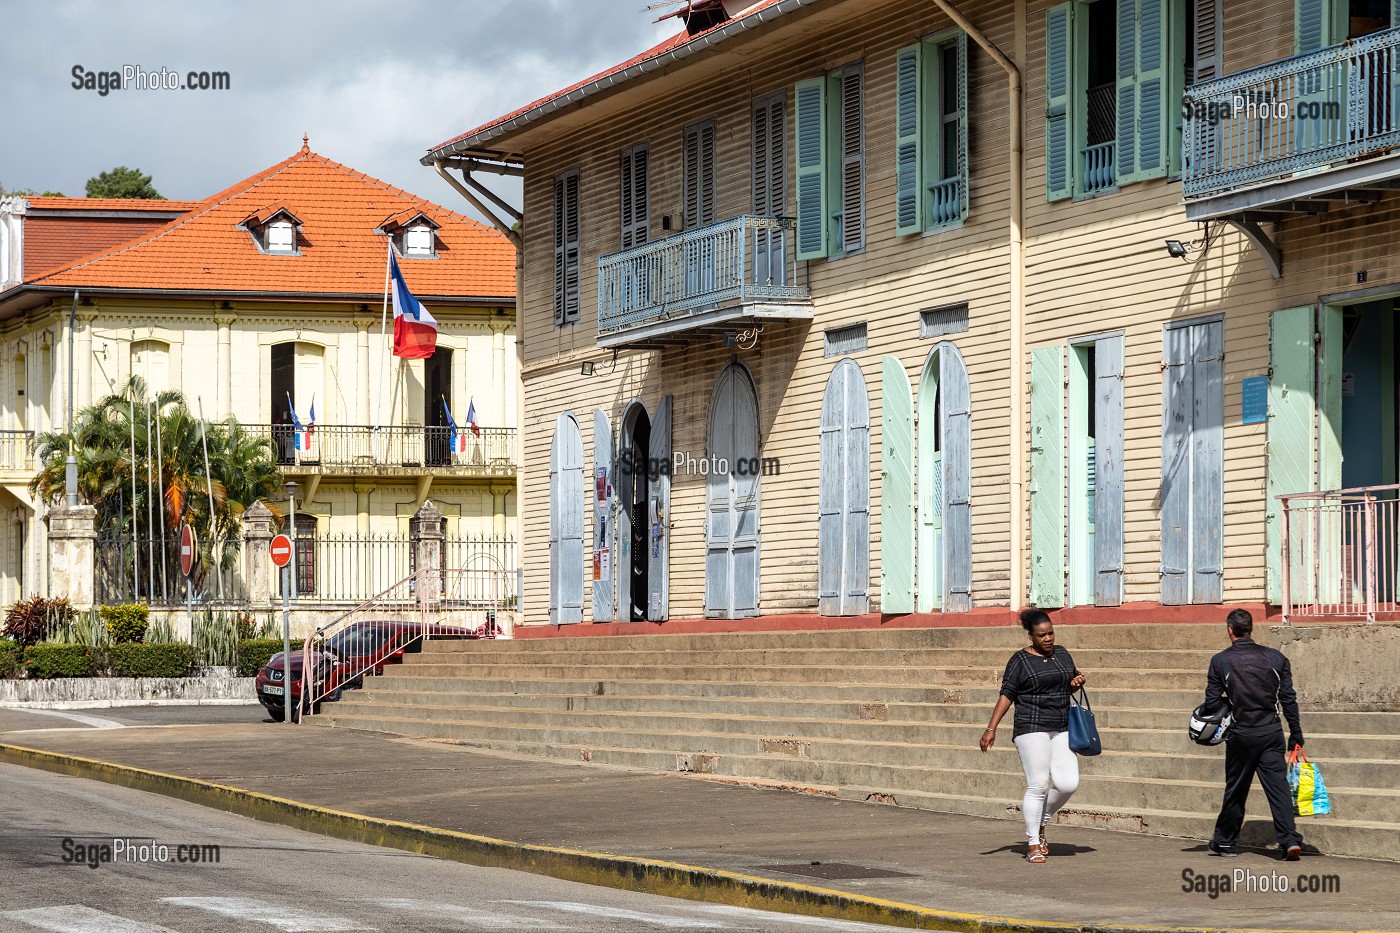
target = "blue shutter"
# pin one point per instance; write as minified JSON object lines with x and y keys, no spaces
{"x":1125,"y":151}
{"x":1153,"y":28}
{"x":566,"y":522}
{"x":964,"y":164}
{"x":844,"y":521}
{"x":1047,"y":479}
{"x":1208,"y":467}
{"x":957,"y":480}
{"x":896,"y":488}
{"x":658,"y":562}
{"x":908,"y":136}
{"x":1059,"y":128}
{"x":812,"y":238}
{"x":604,"y":538}
{"x":1177,"y":397}
{"x":1290,"y":443}
{"x":1108,"y":471}
{"x":1311,"y":25}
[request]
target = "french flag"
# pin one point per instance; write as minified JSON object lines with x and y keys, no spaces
{"x":301,"y":434}
{"x":456,"y":438}
{"x":415,"y":330}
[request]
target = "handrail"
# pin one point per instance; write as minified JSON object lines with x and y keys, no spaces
{"x":1340,"y":552}
{"x":410,"y":446}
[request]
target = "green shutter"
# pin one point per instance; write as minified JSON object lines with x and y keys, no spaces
{"x":1153,"y":113}
{"x":1059,"y":135}
{"x":1047,"y":486}
{"x":1125,"y":153}
{"x":1289,"y":445}
{"x":908,"y":159}
{"x":812,"y":241}
{"x":896,"y":489}
{"x":1311,"y":25}
{"x":963,"y":163}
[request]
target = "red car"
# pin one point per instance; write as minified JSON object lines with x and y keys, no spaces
{"x":342,"y":661}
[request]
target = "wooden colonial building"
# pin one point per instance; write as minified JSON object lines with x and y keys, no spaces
{"x":980,"y":302}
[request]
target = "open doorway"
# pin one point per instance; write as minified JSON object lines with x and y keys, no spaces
{"x":633,"y":499}
{"x":437,"y":391}
{"x":1369,"y":395}
{"x":281,"y":387}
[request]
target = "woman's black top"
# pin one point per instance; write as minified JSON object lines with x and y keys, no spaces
{"x":1039,"y":686}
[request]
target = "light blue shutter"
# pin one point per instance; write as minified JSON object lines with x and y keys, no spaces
{"x":897,"y":488}
{"x":1153,"y":116}
{"x":849,"y":89}
{"x":1208,"y":466}
{"x":1059,"y":128}
{"x":566,"y":525}
{"x":719,"y":502}
{"x":1126,"y":152}
{"x":604,"y":538}
{"x":909,"y":184}
{"x":747,"y":490}
{"x":1047,"y":479}
{"x":658,"y":562}
{"x":1108,"y":471}
{"x":964,"y":164}
{"x":1289,"y":447}
{"x":855,"y":597}
{"x":1312,"y":25}
{"x":1177,"y":397}
{"x":812,"y":238}
{"x":844,"y":520}
{"x":957,"y":480}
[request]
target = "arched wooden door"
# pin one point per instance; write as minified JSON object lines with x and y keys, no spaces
{"x":945,"y":483}
{"x":566,"y":522}
{"x":843,"y":566}
{"x":732,"y":494}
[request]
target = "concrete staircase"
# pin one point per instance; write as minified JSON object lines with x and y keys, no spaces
{"x":892,"y":716}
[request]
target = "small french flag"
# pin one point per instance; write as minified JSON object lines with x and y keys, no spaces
{"x":456,"y":438}
{"x":301,"y":434}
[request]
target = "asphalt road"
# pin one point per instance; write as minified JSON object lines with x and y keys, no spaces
{"x":269,"y":877}
{"x":23,"y":720}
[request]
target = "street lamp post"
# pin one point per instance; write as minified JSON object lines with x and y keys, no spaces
{"x":289,"y":585}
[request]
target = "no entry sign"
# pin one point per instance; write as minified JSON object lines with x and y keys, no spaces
{"x":187,"y":549}
{"x":281,"y":550}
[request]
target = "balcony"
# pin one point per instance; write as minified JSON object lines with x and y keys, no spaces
{"x":345,"y":450}
{"x":1297,"y":136}
{"x":17,"y":455}
{"x":690,"y":285}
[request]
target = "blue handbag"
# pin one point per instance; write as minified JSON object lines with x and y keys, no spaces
{"x":1083,"y":734}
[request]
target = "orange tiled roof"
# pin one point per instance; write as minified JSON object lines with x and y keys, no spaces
{"x":339,"y":208}
{"x":679,"y":39}
{"x":109,"y":204}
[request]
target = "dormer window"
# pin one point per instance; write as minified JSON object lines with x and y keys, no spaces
{"x":413,"y":233}
{"x":280,"y":237}
{"x":274,"y":229}
{"x":418,"y":241}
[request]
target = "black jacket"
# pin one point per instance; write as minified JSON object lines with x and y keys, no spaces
{"x":1257,"y":680}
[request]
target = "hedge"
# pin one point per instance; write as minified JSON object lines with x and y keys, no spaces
{"x":126,"y":623}
{"x":49,"y":660}
{"x":169,"y":659}
{"x":254,"y":653}
{"x":10,"y":654}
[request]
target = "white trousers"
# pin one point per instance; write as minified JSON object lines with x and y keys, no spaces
{"x":1047,"y":761}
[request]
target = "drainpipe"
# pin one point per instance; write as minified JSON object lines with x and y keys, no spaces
{"x":476,"y":203}
{"x":1016,"y":210}
{"x":70,"y":466}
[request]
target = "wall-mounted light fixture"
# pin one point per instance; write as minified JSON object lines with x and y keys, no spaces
{"x":589,"y":368}
{"x":1177,"y":249}
{"x":1182,"y":249}
{"x":586,"y":369}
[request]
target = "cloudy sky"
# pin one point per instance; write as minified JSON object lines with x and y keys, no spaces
{"x":373,"y":83}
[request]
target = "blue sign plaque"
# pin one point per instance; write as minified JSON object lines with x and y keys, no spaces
{"x":1254,"y":400}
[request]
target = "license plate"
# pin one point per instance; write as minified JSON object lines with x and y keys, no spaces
{"x":275,"y":691}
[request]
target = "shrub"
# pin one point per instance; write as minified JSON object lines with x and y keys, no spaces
{"x":168,"y":659}
{"x":253,"y":654}
{"x":161,"y":632}
{"x":80,"y":628}
{"x":126,"y":623}
{"x":28,"y":622}
{"x":215,"y":636}
{"x":10,"y":654}
{"x":63,"y":660}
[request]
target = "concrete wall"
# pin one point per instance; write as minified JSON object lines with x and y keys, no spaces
{"x":1343,"y":667}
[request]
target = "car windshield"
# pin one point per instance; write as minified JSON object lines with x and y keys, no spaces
{"x":358,"y":641}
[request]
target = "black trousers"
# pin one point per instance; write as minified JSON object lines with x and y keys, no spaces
{"x":1244,"y":756}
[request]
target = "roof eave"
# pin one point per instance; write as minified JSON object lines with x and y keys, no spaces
{"x":37,"y":293}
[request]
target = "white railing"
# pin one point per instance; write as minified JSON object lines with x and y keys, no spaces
{"x":354,"y":448}
{"x":1300,"y":114}
{"x":1340,"y":553}
{"x":17,"y":450}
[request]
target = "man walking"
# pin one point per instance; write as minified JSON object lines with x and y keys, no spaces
{"x":1256,"y":680}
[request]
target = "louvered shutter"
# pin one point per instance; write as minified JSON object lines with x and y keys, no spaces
{"x":635,"y":210}
{"x":1126,"y":71}
{"x":1208,"y":466}
{"x":964,"y":164}
{"x":812,"y":236}
{"x":625,"y":211}
{"x":566,"y":248}
{"x":1208,"y":54}
{"x":604,"y":538}
{"x":1312,"y":25}
{"x":896,"y":489}
{"x":1108,"y":472}
{"x":852,"y":141}
{"x":1047,"y":492}
{"x":560,"y":206}
{"x":1150,"y":128}
{"x":769,"y":187}
{"x":1059,"y":127}
{"x":1288,"y":450}
{"x":699,"y":170}
{"x":659,"y":568}
{"x":1177,"y":395}
{"x":909,"y":183}
{"x":957,"y":480}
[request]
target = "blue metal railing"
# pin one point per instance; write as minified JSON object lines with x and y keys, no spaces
{"x":1293,"y":116}
{"x":1100,"y":169}
{"x":743,"y":259}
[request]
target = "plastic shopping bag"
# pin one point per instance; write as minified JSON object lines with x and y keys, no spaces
{"x":1305,"y":785}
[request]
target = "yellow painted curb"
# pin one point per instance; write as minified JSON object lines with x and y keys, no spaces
{"x":652,"y":876}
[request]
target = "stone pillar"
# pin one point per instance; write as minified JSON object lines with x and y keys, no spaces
{"x":257,"y":558}
{"x":498,"y":371}
{"x":368,"y":384}
{"x":83,"y":362}
{"x":224,"y":400}
{"x":362,"y":514}
{"x":72,"y":542}
{"x":425,"y":537}
{"x":500,"y":518}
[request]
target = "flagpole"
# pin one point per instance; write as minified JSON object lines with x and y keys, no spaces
{"x":209,"y":490}
{"x":384,"y":336}
{"x":135,"y":540}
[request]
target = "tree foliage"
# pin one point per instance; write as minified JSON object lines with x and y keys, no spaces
{"x":122,"y":182}
{"x":28,"y":193}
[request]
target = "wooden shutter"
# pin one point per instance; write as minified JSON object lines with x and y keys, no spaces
{"x":908,"y":157}
{"x":1290,"y":442}
{"x":1208,"y":466}
{"x":699,"y":170}
{"x":1177,"y":398}
{"x":831,"y":498}
{"x":769,"y":186}
{"x":566,"y":522}
{"x":1208,"y":53}
{"x":896,"y":489}
{"x":1108,"y":471}
{"x":856,"y":572}
{"x":813,"y":241}
{"x":964,"y":163}
{"x":747,"y":494}
{"x":1142,"y":90}
{"x":1126,"y":71}
{"x":843,"y":575}
{"x":719,"y":502}
{"x":604,"y":535}
{"x":957,"y":480}
{"x":1047,"y":479}
{"x":851,"y":195}
{"x":1059,"y":125}
{"x":635,"y":210}
{"x":566,"y":247}
{"x":659,"y":569}
{"x":560,"y":225}
{"x":1312,"y":25}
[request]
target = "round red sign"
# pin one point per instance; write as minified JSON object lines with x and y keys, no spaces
{"x":187,"y":550}
{"x":281,"y":550}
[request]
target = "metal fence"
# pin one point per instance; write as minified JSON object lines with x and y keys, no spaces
{"x":1339,"y":554}
{"x":346,"y":568}
{"x":353,"y":447}
{"x":1305,"y":112}
{"x":147,"y":570}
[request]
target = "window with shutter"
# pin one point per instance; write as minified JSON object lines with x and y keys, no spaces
{"x":770,"y":186}
{"x":848,"y":187}
{"x":635,"y":208}
{"x":566,"y":247}
{"x":931,"y":133}
{"x":1059,"y":114}
{"x":699,"y":174}
{"x":907,"y":144}
{"x":812,"y":241}
{"x":831,"y":163}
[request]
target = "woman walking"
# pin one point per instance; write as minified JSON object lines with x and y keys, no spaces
{"x":1038,"y":680}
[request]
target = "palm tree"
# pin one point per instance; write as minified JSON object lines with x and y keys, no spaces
{"x":141,"y":464}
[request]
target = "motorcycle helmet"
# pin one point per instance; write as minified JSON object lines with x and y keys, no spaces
{"x":1210,"y":726}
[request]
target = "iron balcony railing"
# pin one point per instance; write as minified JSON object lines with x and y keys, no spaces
{"x":1341,"y":554}
{"x":356,"y":449}
{"x":17,"y":451}
{"x":746,"y":259}
{"x":1291,"y":117}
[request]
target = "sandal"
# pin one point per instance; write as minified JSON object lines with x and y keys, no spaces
{"x":1035,"y":853}
{"x":1044,"y":846}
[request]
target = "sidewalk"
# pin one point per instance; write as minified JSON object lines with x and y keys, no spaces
{"x":935,"y":861}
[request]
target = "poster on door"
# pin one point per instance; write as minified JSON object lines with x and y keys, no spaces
{"x":602,"y":566}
